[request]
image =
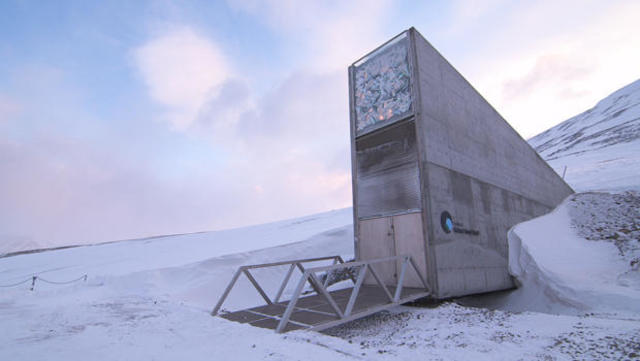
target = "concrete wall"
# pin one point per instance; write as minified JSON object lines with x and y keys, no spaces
{"x":453,"y":155}
{"x":477,"y":168}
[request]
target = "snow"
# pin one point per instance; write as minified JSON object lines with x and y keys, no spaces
{"x":453,"y":332}
{"x":126,"y":257}
{"x":614,"y":168}
{"x":549,"y":258}
{"x":568,"y":262}
{"x":600,"y":148}
{"x":11,"y":244}
{"x":139,"y":328}
{"x":149,"y":299}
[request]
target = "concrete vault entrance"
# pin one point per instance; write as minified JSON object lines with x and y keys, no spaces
{"x":439,"y":177}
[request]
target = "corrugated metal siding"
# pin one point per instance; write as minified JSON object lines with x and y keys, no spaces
{"x":387,"y":172}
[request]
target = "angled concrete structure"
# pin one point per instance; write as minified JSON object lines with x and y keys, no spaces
{"x":438,"y":174}
{"x":439,"y":177}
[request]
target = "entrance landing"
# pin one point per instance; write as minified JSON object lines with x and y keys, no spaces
{"x":314,"y":313}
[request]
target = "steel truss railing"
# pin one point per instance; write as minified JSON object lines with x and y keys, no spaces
{"x":310,"y":275}
{"x":245,"y":270}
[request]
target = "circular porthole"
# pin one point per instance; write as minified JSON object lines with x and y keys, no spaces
{"x":446,"y":222}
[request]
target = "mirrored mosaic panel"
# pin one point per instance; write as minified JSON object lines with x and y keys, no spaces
{"x":382,"y":86}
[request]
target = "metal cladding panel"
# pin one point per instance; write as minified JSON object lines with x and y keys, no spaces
{"x":378,"y":242}
{"x":394,"y":236}
{"x":409,"y":240}
{"x":387,"y":172}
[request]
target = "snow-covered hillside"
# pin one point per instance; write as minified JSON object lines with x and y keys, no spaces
{"x":9,"y":244}
{"x":150,"y":299}
{"x":170,"y":255}
{"x":600,"y":148}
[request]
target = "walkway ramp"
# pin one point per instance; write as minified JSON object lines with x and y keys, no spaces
{"x":316,"y":304}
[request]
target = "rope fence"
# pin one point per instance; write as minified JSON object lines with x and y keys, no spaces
{"x":33,"y":280}
{"x":16,"y":284}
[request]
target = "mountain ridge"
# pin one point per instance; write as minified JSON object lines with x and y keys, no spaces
{"x":597,"y":143}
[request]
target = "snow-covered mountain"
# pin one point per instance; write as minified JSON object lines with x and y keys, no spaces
{"x":600,"y":148}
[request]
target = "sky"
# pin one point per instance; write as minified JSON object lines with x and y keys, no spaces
{"x":126,"y":119}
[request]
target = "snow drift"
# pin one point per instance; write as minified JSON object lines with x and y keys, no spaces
{"x":558,"y":270}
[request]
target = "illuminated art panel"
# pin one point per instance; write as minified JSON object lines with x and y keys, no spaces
{"x":382,"y":86}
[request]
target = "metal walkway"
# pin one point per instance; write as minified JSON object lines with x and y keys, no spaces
{"x":322,"y":308}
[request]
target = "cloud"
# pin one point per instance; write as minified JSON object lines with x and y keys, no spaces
{"x":304,"y":104}
{"x":466,"y":15}
{"x":59,"y":191}
{"x":218,"y":116}
{"x":289,"y":149}
{"x":288,"y":146}
{"x":549,"y":71}
{"x":547,"y":61}
{"x":293,"y":140}
{"x":235,"y":154}
{"x":69,"y":175}
{"x":332,"y":34}
{"x":182,"y":70}
{"x":9,"y":107}
{"x":286,"y":151}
